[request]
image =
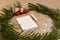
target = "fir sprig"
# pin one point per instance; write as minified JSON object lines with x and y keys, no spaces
{"x":8,"y":33}
{"x":54,"y":14}
{"x":17,"y":4}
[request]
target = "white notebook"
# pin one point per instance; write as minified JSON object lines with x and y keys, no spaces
{"x":26,"y":23}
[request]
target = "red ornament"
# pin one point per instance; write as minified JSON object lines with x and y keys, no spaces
{"x":21,"y":10}
{"x":17,"y":11}
{"x":25,"y":10}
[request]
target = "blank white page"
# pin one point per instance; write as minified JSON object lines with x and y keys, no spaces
{"x":26,"y":23}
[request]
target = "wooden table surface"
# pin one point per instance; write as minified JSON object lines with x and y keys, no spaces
{"x":49,"y":3}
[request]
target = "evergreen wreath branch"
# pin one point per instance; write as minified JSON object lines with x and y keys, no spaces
{"x":8,"y":33}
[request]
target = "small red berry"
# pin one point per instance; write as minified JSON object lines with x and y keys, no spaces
{"x":25,"y":10}
{"x":17,"y":11}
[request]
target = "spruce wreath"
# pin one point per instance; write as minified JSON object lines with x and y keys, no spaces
{"x":8,"y":33}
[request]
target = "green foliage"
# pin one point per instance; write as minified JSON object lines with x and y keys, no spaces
{"x":17,"y":4}
{"x":8,"y":33}
{"x":58,"y":33}
{"x":7,"y":14}
{"x":54,"y":14}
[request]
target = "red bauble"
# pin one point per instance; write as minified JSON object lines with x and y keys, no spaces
{"x":25,"y":10}
{"x":17,"y":11}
